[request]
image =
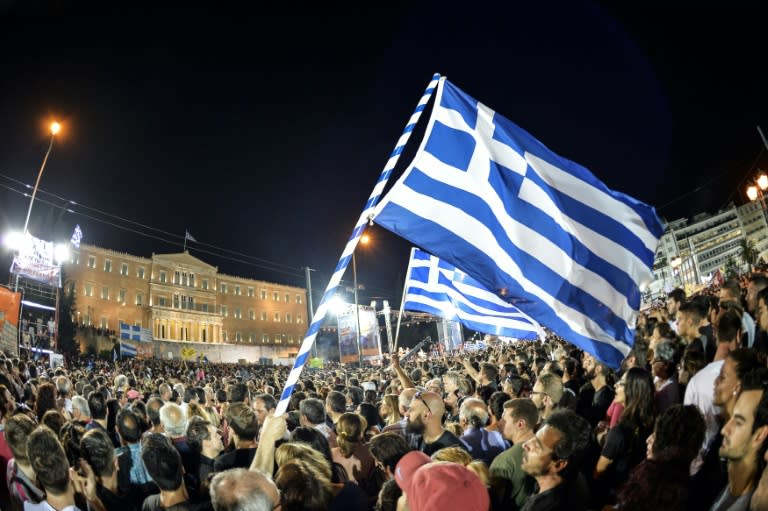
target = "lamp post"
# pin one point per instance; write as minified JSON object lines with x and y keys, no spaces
{"x":55,"y":128}
{"x":364,"y":239}
{"x":757,"y":191}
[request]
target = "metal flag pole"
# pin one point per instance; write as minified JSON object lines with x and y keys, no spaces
{"x":402,"y":302}
{"x":346,"y":255}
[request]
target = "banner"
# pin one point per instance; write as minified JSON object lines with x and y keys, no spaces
{"x":347,"y":327}
{"x":10,"y":312}
{"x":35,"y":261}
{"x":369,"y":332}
{"x":450,"y":335}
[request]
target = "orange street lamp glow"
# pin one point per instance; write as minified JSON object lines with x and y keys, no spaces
{"x":56,"y":127}
{"x":752,"y":192}
{"x":762,"y":181}
{"x":364,"y":239}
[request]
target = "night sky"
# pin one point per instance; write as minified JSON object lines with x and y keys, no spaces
{"x":262,"y":131}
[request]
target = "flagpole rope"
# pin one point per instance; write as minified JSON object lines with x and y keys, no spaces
{"x":346,"y":255}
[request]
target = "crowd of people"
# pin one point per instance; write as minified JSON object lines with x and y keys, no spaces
{"x":682,"y":424}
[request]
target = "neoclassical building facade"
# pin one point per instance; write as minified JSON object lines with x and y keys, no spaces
{"x":181,"y":298}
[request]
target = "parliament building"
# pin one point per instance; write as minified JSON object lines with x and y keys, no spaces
{"x":181,"y":298}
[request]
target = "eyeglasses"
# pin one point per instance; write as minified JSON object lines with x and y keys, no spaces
{"x":418,"y":396}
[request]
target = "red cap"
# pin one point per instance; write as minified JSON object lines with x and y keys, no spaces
{"x":444,"y":485}
{"x":406,"y":467}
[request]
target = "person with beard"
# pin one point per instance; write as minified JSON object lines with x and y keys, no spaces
{"x":425,"y":418}
{"x":744,"y":443}
{"x":553,"y":458}
{"x":546,"y":395}
{"x":596,"y":395}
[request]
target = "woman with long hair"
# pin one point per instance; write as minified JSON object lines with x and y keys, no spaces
{"x":389,"y":409}
{"x":625,"y":443}
{"x":354,"y":455}
{"x":372,"y":417}
{"x":662,"y":482}
{"x":46,"y":400}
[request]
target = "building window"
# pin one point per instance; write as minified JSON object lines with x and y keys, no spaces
{"x":251,"y":314}
{"x":105,"y":293}
{"x":237,"y":290}
{"x":298,"y":299}
{"x":298,"y":318}
{"x":224,"y":311}
{"x":203,"y":307}
{"x":104,"y":323}
{"x":287,"y":298}
{"x":276,"y":296}
{"x":238,"y":315}
{"x":91,"y":262}
{"x":264,"y":338}
{"x":278,"y":339}
{"x":88,"y":290}
{"x":139,"y":299}
{"x":276,"y":318}
{"x":163,"y":277}
{"x":252,"y":338}
{"x":108,"y":266}
{"x":121,"y":296}
{"x":124,"y":270}
{"x":238,"y":336}
{"x":223,"y":288}
{"x":191,"y":280}
{"x":175,"y":301}
{"x":290,"y":339}
{"x":263,"y":315}
{"x":140,"y":272}
{"x":205,"y":284}
{"x":177,"y":277}
{"x":287,"y":317}
{"x":226,"y":336}
{"x":75,"y":258}
{"x":250,"y":292}
{"x":263,"y":294}
{"x":162,"y":302}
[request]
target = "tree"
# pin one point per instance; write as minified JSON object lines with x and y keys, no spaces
{"x":66,"y":326}
{"x":749,"y":251}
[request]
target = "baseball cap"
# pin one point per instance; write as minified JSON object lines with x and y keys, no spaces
{"x":444,"y":485}
{"x":407,"y":466}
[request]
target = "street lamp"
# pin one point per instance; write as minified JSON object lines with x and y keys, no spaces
{"x":758,"y":189}
{"x":55,"y":128}
{"x":364,"y":239}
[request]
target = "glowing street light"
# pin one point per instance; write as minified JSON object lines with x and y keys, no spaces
{"x":55,"y":128}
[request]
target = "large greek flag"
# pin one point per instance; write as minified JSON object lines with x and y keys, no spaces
{"x":535,"y":228}
{"x":132,"y":332}
{"x":127,"y":349}
{"x":439,"y":288}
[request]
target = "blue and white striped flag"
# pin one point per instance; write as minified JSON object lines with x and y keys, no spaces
{"x":132,"y":332}
{"x":535,"y":228}
{"x":439,"y":288}
{"x":127,"y":350}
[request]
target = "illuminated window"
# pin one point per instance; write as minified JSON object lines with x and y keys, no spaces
{"x":237,"y":314}
{"x":139,"y":299}
{"x":108,"y":266}
{"x":124,"y":270}
{"x":263,"y":294}
{"x":276,"y":296}
{"x":105,"y":293}
{"x":88,"y":291}
{"x":91,"y":262}
{"x":287,"y":317}
{"x":298,"y":299}
{"x":140,"y":272}
{"x":251,"y":314}
{"x":223,"y":288}
{"x":163,"y":277}
{"x":237,"y":290}
{"x":205,"y":284}
{"x":276,"y":317}
{"x":263,"y":316}
{"x":250,"y":292}
{"x":121,"y":296}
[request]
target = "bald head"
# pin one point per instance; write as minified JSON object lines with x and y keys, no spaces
{"x":239,"y":489}
{"x":434,"y":402}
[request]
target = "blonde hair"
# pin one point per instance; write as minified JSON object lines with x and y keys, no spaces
{"x":462,"y":457}
{"x":350,"y":430}
{"x":299,"y":451}
{"x":195,"y":410}
{"x":391,"y":400}
{"x":455,"y":428}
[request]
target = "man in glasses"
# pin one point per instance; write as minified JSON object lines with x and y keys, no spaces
{"x":425,"y":418}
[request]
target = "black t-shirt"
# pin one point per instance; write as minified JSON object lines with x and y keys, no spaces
{"x":447,"y":439}
{"x":152,"y":503}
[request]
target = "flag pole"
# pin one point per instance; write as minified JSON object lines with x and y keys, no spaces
{"x":402,"y":301}
{"x":185,"y":240}
{"x":346,"y":255}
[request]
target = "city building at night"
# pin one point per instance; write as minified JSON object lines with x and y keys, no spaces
{"x":182,"y":298}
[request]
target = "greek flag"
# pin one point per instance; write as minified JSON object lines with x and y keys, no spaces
{"x":127,"y":349}
{"x":130,"y":332}
{"x":439,"y":288}
{"x":77,"y":235}
{"x":537,"y":229}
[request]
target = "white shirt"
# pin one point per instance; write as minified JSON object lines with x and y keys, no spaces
{"x":748,"y":324}
{"x":701,"y":392}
